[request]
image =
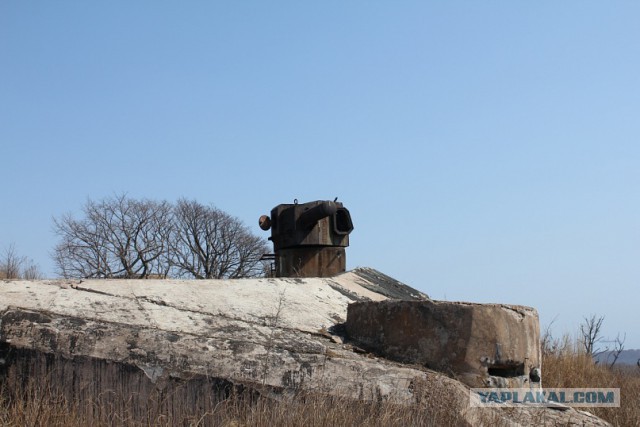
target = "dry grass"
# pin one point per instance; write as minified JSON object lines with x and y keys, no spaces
{"x":38,"y":405}
{"x":564,"y":365}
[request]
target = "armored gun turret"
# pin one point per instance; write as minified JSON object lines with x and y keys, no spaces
{"x":309,"y":239}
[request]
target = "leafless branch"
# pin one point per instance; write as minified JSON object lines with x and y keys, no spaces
{"x":14,"y":266}
{"x":211,"y":244}
{"x":590,"y":333}
{"x":120,"y":237}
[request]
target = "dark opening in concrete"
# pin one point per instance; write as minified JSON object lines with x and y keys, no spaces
{"x":507,"y":369}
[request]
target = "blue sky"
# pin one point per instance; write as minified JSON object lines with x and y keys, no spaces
{"x":488,"y":151}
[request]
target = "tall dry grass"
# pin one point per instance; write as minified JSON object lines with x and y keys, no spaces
{"x":564,"y":364}
{"x":40,"y":405}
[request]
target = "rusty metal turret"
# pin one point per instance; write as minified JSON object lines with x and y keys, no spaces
{"x":309,"y":239}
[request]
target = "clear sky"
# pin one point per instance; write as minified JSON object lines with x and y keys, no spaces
{"x":488,"y":150}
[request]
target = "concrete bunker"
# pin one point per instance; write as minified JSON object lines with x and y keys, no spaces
{"x":483,"y":345}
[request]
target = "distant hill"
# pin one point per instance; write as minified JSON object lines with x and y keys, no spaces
{"x":627,"y":357}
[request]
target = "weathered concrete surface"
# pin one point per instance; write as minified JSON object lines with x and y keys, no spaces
{"x":159,"y":343}
{"x":483,"y":345}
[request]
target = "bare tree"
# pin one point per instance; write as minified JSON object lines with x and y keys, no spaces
{"x":618,"y":348}
{"x":14,"y":266}
{"x":121,"y":237}
{"x":118,"y":238}
{"x":590,"y":335}
{"x":211,"y":244}
{"x":594,"y":343}
{"x":11,"y":263}
{"x":31,"y":271}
